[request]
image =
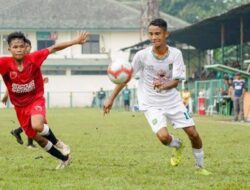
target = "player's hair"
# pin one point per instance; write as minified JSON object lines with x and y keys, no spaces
{"x":160,"y":23}
{"x":27,"y":41}
{"x":15,"y":35}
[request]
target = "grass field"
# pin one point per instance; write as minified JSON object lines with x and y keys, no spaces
{"x":120,"y":152}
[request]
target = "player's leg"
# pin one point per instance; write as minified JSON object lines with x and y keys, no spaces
{"x":101,"y":102}
{"x":48,"y":147}
{"x":24,"y":117}
{"x":17,"y":134}
{"x":196,"y":143}
{"x":241,"y":112}
{"x":30,"y":143}
{"x":236,"y":108}
{"x":37,"y":122}
{"x":168,"y":139}
{"x":181,"y":119}
{"x":41,"y":129}
{"x":126,"y":105}
{"x":198,"y":152}
{"x":158,"y":123}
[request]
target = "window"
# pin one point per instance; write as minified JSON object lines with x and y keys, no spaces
{"x":92,"y":46}
{"x":53,"y":72}
{"x":45,"y":39}
{"x":82,"y":72}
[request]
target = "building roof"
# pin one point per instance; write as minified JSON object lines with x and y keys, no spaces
{"x":207,"y":33}
{"x":173,"y":22}
{"x":65,"y":15}
{"x":227,"y":69}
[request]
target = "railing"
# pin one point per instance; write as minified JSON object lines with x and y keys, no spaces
{"x":210,"y":89}
{"x":78,"y":99}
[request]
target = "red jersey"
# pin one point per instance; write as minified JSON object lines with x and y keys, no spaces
{"x":26,"y":86}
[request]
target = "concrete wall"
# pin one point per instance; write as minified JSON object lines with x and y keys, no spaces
{"x":76,"y":91}
{"x":110,"y":42}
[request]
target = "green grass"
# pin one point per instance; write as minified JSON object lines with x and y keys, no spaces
{"x":120,"y":152}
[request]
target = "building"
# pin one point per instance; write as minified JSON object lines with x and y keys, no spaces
{"x":112,"y":24}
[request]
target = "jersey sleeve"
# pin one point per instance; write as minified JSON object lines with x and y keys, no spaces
{"x":179,"y":70}
{"x":38,"y":57}
{"x":137,"y":64}
{"x":4,"y":65}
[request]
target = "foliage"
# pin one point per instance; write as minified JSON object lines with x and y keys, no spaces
{"x":194,"y":11}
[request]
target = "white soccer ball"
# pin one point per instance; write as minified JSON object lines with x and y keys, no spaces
{"x":119,"y":72}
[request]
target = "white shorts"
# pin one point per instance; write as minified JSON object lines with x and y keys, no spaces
{"x":178,"y":116}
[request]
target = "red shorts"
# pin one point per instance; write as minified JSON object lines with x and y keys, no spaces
{"x":24,"y":115}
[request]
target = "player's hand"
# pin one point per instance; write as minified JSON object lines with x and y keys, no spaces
{"x":156,"y":83}
{"x":162,"y":86}
{"x":81,"y":37}
{"x":107,"y":106}
{"x":45,"y":80}
{"x":4,"y":100}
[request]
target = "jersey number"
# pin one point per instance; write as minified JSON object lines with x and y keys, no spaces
{"x":187,"y":115}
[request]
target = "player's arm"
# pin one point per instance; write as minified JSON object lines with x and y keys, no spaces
{"x":166,"y":86}
{"x":109,"y":102}
{"x":45,"y":80}
{"x":81,"y":38}
{"x":137,"y":66}
{"x":5,"y":97}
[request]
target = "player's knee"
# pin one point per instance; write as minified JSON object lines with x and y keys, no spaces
{"x":164,"y":137}
{"x":37,"y":122}
{"x":37,"y":126}
{"x":193,"y":135}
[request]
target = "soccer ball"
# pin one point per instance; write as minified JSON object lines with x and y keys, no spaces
{"x":119,"y":72}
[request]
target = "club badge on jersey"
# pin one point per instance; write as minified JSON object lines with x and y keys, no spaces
{"x":162,"y":76}
{"x":13,"y":75}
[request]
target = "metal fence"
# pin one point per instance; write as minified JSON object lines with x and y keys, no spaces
{"x":210,"y":89}
{"x":79,"y":99}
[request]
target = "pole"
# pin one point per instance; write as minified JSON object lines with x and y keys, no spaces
{"x":241,"y":41}
{"x":222,"y":41}
{"x":188,"y":63}
{"x":48,"y":99}
{"x":71,"y":99}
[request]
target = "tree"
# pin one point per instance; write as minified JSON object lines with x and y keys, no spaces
{"x":194,"y":11}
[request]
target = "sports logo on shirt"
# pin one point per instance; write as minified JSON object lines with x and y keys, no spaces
{"x":23,"y":88}
{"x":163,"y":76}
{"x":13,"y":75}
{"x":154,"y":121}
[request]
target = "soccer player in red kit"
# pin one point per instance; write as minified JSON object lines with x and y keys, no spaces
{"x":17,"y":132}
{"x":23,"y":78}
